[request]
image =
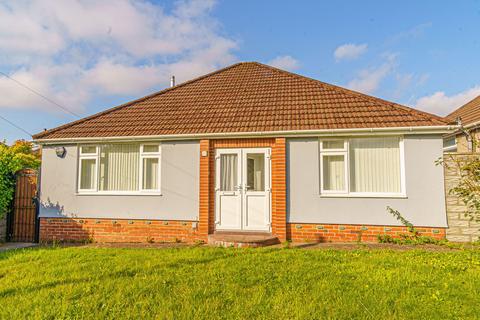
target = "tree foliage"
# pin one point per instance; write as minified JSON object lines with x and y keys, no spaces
{"x":12,"y":159}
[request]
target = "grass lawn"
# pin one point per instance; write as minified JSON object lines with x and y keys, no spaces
{"x":200,"y":282}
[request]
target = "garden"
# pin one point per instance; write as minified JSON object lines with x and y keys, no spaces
{"x":217,"y":283}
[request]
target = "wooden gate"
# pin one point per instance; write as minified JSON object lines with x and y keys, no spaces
{"x":22,"y":219}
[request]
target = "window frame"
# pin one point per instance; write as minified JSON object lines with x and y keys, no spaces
{"x":87,"y":156}
{"x":335,"y":152}
{"x":150,"y":155}
{"x":346,"y":152}
{"x":142,"y":156}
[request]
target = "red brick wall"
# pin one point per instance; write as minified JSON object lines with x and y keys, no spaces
{"x":205,"y":201}
{"x":110,"y":230}
{"x":302,"y":232}
{"x":279,"y":189}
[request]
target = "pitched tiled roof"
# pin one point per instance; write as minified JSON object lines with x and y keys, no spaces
{"x":469,"y":112}
{"x":245,"y":97}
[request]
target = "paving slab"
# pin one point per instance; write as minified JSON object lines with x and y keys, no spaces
{"x":16,"y":245}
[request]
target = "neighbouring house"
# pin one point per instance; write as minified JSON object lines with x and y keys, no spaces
{"x":461,"y":146}
{"x":464,"y":139}
{"x":246,"y":150}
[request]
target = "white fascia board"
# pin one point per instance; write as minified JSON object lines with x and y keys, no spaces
{"x":267,"y":134}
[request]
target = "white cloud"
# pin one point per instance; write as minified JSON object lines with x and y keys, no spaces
{"x":117,"y":79}
{"x":54,"y":82}
{"x":368,"y":80}
{"x":284,"y":62}
{"x":442,"y":104}
{"x":349,"y":51}
{"x":89,"y":49}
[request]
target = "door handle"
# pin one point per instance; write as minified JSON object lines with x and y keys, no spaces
{"x":239,"y":187}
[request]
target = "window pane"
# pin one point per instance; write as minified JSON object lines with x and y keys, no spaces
{"x":228,"y":172}
{"x":150,"y":173}
{"x":119,"y":167}
{"x":333,"y":144}
{"x":334,"y":172}
{"x":87,"y":174}
{"x":449,"y":142}
{"x":150,"y":148}
{"x":89,"y":149}
{"x":256,"y":172}
{"x":375,"y":165}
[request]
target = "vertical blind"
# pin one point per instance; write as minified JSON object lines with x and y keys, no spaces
{"x":375,"y":165}
{"x":334,"y":172}
{"x":119,"y":167}
{"x":228,"y":172}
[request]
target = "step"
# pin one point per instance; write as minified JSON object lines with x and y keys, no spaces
{"x":242,"y":239}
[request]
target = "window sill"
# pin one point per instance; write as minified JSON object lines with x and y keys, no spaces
{"x":358,"y":195}
{"x":88,"y":193}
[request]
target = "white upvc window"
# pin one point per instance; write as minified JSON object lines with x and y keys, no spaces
{"x":362,"y":167}
{"x":150,"y":168}
{"x":119,"y":169}
{"x":333,"y":165}
{"x":87,"y":168}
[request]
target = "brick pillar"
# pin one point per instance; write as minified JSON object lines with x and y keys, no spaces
{"x":204,"y":201}
{"x":279,"y":189}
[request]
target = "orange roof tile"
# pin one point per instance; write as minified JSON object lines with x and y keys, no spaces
{"x":469,"y":112}
{"x":245,"y":97}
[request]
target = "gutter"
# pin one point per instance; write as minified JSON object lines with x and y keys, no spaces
{"x":266,"y":134}
{"x":460,"y":126}
{"x":472,"y":125}
{"x":466,"y":131}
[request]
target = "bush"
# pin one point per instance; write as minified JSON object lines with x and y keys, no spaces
{"x":412,"y":237}
{"x":12,"y":159}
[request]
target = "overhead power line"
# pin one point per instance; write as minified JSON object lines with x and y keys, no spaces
{"x":16,"y":126}
{"x":40,"y":95}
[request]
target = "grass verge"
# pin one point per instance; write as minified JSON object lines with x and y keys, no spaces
{"x":201,"y":282}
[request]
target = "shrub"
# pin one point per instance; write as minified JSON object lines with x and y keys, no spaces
{"x":12,"y":159}
{"x":412,"y":237}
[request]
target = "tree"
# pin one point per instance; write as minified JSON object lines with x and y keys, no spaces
{"x":12,"y":159}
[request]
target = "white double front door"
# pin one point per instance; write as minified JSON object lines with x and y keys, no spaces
{"x":242,"y":189}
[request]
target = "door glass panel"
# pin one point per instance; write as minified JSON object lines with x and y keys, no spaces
{"x":228,"y":172}
{"x":255,"y":172}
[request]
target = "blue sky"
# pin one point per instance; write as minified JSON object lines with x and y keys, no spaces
{"x":88,"y":56}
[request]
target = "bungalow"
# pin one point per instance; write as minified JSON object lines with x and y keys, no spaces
{"x":248,"y":150}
